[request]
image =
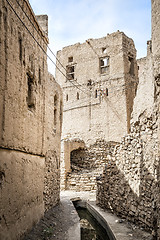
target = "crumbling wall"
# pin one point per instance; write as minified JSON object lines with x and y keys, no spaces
{"x":127,"y":186}
{"x":130,"y":183}
{"x":87,"y":164}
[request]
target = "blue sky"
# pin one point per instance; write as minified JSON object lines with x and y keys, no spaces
{"x":72,"y":21}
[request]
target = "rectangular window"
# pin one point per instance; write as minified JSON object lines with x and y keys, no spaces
{"x":30,"y":97}
{"x":70,"y":72}
{"x":70,"y":59}
{"x":104,"y":65}
{"x":131,"y":67}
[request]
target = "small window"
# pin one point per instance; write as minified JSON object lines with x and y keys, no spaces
{"x":104,"y":50}
{"x":20,"y":48}
{"x":55,"y":100}
{"x":89,"y":83}
{"x":70,"y":72}
{"x":96,"y":93}
{"x":67,"y":98}
{"x":39,"y":80}
{"x":55,"y":117}
{"x":30,"y":97}
{"x":55,"y":110}
{"x":70,"y":59}
{"x":104,"y":65}
{"x":106,"y":91}
{"x":77,"y":96}
{"x":61,"y":114}
{"x":131,"y":67}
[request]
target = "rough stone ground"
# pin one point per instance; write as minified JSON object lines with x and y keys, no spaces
{"x":52,"y":226}
{"x":61,"y":222}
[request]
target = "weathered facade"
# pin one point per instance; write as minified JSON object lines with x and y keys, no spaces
{"x":130,"y":184}
{"x":99,"y":83}
{"x":30,"y":116}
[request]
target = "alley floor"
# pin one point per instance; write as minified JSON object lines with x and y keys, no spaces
{"x":62,"y":222}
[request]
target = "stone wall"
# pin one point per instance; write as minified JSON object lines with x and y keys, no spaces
{"x":29,"y":110}
{"x":87,"y":164}
{"x":128,"y":185}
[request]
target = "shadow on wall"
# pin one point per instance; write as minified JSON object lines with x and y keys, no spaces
{"x":114,"y":193}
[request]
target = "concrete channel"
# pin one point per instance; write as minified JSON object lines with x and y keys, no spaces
{"x":117,"y":228}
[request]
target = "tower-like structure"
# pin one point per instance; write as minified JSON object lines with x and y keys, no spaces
{"x":99,"y":81}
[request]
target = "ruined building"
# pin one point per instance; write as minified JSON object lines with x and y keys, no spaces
{"x":130,"y":184}
{"x":112,"y":123}
{"x":30,"y":121}
{"x":99,"y":86}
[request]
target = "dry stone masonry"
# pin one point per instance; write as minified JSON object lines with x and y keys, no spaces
{"x":129,"y":181}
{"x":87,"y":164}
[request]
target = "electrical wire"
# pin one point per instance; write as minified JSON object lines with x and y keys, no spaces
{"x":45,"y":43}
{"x":121,"y":88}
{"x":48,"y":46}
{"x":40,"y":34}
{"x":43,"y":48}
{"x":86,"y":92}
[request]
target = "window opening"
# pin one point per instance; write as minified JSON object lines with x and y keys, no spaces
{"x":30,"y":97}
{"x":61,"y":106}
{"x":70,"y":59}
{"x":70,"y":72}
{"x":55,"y":100}
{"x":106,"y":91}
{"x":55,"y":111}
{"x":89,"y":83}
{"x":104,"y":50}
{"x":104,"y":64}
{"x":77,"y":96}
{"x":39,"y":80}
{"x":96,"y":93}
{"x":131,"y":68}
{"x":55,"y":117}
{"x":67,"y":98}
{"x":20,"y":48}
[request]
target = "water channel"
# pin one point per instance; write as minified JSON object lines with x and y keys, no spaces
{"x":90,"y":227}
